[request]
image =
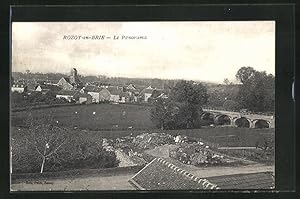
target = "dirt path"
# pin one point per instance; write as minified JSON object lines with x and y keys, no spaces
{"x":163,"y":152}
{"x":124,"y":159}
{"x":239,"y":147}
{"x":251,"y":167}
{"x":203,"y":172}
{"x":119,"y":182}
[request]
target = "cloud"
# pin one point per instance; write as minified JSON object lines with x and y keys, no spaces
{"x":191,"y":50}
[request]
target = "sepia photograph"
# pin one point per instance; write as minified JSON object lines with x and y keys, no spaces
{"x":145,"y":105}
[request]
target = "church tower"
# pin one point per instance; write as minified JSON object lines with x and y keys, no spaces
{"x":74,"y":78}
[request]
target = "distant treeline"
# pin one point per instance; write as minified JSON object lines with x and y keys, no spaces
{"x":255,"y":91}
{"x":55,"y":77}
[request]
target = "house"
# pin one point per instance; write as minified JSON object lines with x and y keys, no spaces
{"x":65,"y":83}
{"x":31,"y":86}
{"x":104,"y":95}
{"x":115,"y":93}
{"x":103,"y":85}
{"x":131,"y":87}
{"x":131,"y":93}
{"x":146,"y":93}
{"x":70,"y":95}
{"x":125,"y":97}
{"x":44,"y":88}
{"x":163,"y":96}
{"x":157,"y":94}
{"x":83,"y":98}
{"x":94,"y":91}
{"x":72,"y":82}
{"x":19,"y":87}
{"x":159,"y":174}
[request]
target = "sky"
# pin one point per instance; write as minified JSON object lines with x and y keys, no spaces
{"x":201,"y":51}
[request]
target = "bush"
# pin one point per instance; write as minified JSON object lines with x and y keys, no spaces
{"x":195,"y":154}
{"x":104,"y":102}
{"x":34,"y":99}
{"x":76,"y":153}
{"x":24,"y":157}
{"x":151,"y":140}
{"x":231,"y":105}
{"x":87,"y":154}
{"x":262,"y":156}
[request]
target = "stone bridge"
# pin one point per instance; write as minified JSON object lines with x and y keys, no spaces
{"x":219,"y":117}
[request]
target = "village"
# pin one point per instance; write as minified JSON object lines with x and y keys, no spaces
{"x":152,"y":112}
{"x":116,"y":120}
{"x":72,"y":89}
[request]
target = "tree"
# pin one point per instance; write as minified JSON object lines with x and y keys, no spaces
{"x":231,"y":105}
{"x":163,"y":113}
{"x":226,"y":81}
{"x":183,"y":107}
{"x":189,"y":92}
{"x":45,"y":139}
{"x":257,"y":91}
{"x":244,"y":74}
{"x":27,"y":71}
{"x":189,"y":98}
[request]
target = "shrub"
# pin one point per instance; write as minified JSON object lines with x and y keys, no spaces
{"x":87,"y":154}
{"x":231,"y":105}
{"x":150,"y":140}
{"x":195,"y":154}
{"x":50,"y":148}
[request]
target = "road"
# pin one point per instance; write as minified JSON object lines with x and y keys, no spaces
{"x":119,"y":182}
{"x":202,"y":172}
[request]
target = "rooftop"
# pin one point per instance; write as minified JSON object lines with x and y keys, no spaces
{"x":49,"y":87}
{"x":159,"y":174}
{"x":92,"y":88}
{"x":67,"y":92}
{"x":114,"y":90}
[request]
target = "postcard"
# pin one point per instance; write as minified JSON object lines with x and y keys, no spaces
{"x":147,"y":105}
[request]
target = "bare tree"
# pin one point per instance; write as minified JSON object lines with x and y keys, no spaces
{"x":226,"y":81}
{"x":27,"y":75}
{"x":46,"y":138}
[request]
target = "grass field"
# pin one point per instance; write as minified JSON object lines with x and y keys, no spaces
{"x":112,"y":121}
{"x":93,"y":116}
{"x":223,"y":137}
{"x":98,"y":121}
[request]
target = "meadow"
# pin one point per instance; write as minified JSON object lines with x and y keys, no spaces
{"x":91,"y":117}
{"x":118,"y":120}
{"x":89,"y":124}
{"x":222,"y":137}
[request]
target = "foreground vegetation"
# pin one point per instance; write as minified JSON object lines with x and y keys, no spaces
{"x":50,"y":148}
{"x":77,"y":140}
{"x":266,"y":156}
{"x":84,"y":148}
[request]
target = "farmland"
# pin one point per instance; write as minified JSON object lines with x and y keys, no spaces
{"x":111,"y":121}
{"x":92,"y":117}
{"x":223,"y":137}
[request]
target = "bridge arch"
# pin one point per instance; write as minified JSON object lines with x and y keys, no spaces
{"x":222,"y":119}
{"x":242,"y":122}
{"x":208,"y":116}
{"x":261,"y":123}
